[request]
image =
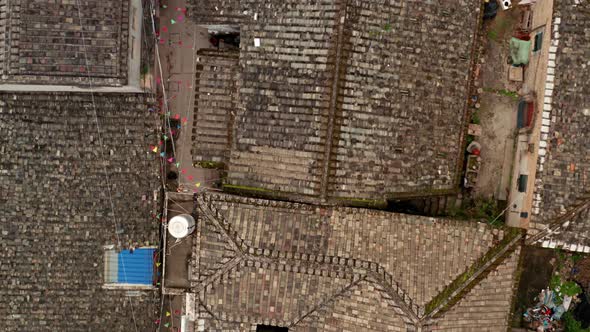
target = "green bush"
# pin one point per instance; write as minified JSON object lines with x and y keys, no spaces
{"x":475,"y":118}
{"x":561,"y":289}
{"x":570,"y":288}
{"x":571,"y":324}
{"x":577,"y":257}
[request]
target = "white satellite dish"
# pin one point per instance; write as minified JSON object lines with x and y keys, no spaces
{"x":181,"y":225}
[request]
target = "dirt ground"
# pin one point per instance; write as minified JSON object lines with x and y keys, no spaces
{"x":582,"y":272}
{"x":498,"y":121}
{"x":498,"y":107}
{"x":497,"y":34}
{"x":536,"y":270}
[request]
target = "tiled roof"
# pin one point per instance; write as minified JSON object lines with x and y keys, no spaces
{"x":216,"y":11}
{"x":267,"y":262}
{"x":42,"y":41}
{"x":55,"y":211}
{"x":563,"y":168}
{"x":349,"y":99}
{"x":484,"y":307}
{"x":215,"y":104}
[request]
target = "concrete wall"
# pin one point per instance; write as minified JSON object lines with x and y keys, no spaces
{"x":534,"y":82}
{"x":134,"y":50}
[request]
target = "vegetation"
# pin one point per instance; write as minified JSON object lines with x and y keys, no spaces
{"x":508,"y":93}
{"x":493,"y":35}
{"x":577,"y":257}
{"x":502,"y":92}
{"x":571,"y":324}
{"x":235,"y":188}
{"x":561,"y":289}
{"x":446,"y":297}
{"x":145,"y":69}
{"x":365,"y":203}
{"x":501,"y":26}
{"x":210,"y":164}
{"x":475,"y":117}
{"x":479,"y":209}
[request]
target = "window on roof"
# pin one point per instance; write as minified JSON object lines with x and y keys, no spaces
{"x":129,"y":267}
{"x":270,"y":328}
{"x":522,"y":183}
{"x":538,"y":41}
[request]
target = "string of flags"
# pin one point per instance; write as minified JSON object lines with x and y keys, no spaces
{"x":162,"y":148}
{"x":169,"y":315}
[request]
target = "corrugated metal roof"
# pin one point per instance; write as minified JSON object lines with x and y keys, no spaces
{"x":136,"y":267}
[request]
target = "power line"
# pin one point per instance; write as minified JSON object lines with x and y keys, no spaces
{"x":106,"y":174}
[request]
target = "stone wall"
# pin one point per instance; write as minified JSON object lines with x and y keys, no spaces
{"x":56,"y":212}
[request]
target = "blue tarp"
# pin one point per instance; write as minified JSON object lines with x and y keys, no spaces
{"x":136,"y":267}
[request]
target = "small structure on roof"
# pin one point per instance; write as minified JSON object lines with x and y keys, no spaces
{"x":181,"y":226}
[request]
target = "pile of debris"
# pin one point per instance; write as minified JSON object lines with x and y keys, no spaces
{"x":552,"y":303}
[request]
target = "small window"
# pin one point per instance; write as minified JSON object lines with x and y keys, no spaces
{"x":270,"y":328}
{"x":522,"y":183}
{"x":129,"y":267}
{"x":538,"y":41}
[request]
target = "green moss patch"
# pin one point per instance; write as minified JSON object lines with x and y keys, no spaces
{"x":444,"y":298}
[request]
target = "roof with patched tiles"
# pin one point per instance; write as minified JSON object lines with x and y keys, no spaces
{"x":324,"y":268}
{"x":56,"y":211}
{"x":55,"y":42}
{"x":344,"y":100}
{"x":562,"y":191}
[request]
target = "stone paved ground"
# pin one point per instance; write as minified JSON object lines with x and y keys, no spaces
{"x":56,"y":214}
{"x":179,"y":44}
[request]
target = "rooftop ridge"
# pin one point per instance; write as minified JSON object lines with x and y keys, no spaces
{"x":560,"y":220}
{"x":338,"y":73}
{"x":305,"y":263}
{"x":467,"y":280}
